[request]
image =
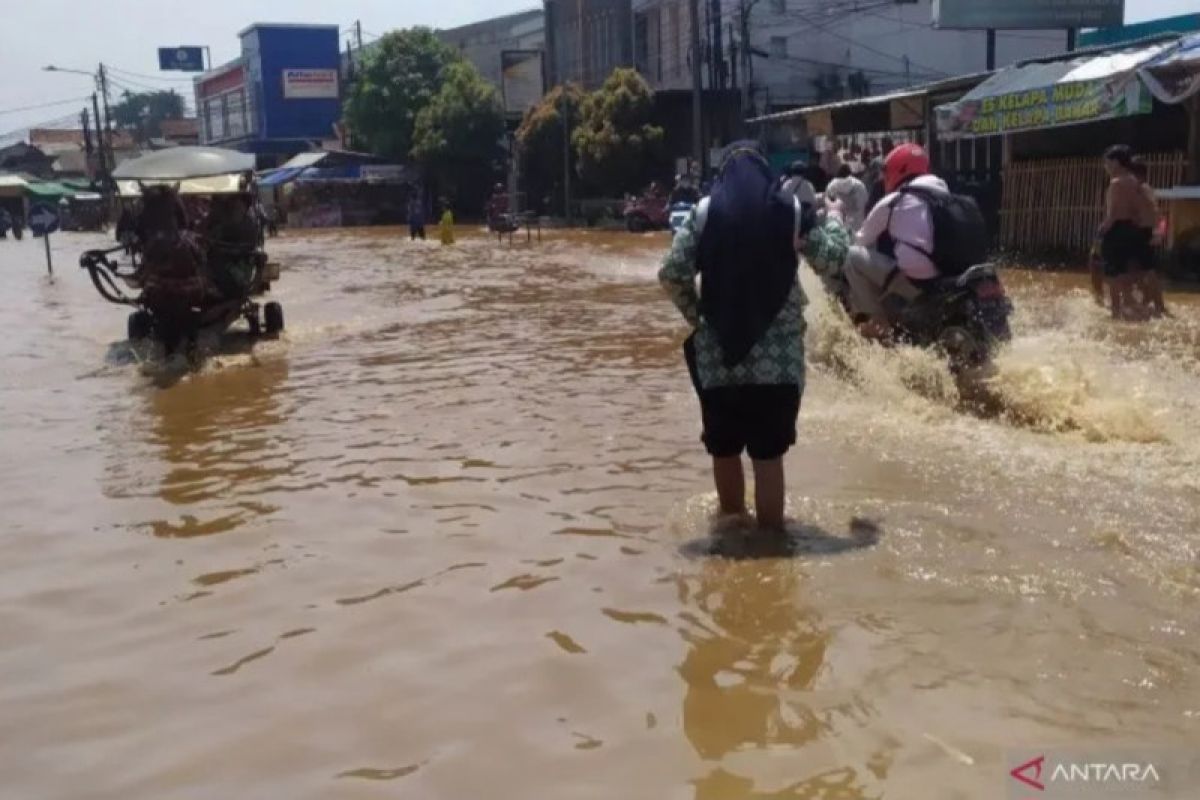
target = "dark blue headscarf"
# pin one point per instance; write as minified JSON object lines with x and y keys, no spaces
{"x":746,"y":256}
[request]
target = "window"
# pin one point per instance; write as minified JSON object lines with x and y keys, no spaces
{"x":779,"y":47}
{"x":779,"y":6}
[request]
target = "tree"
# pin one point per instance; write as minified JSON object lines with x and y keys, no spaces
{"x":457,"y":135}
{"x":142,"y":113}
{"x":397,"y":80}
{"x":540,"y":139}
{"x":617,"y":146}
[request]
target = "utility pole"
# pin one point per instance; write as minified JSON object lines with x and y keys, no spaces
{"x":697,"y":89}
{"x":717,"y":50}
{"x":101,"y":167}
{"x":733,"y":58}
{"x":566,"y":118}
{"x":744,"y":8}
{"x":358,"y":33}
{"x":87,"y":132}
{"x":1072,"y":39}
{"x":991,"y":49}
{"x":107,"y":114}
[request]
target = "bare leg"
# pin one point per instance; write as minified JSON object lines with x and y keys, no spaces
{"x":1152,"y":286}
{"x":769,"y":494}
{"x":1097,"y":270}
{"x":1117,"y":289}
{"x":731,"y":484}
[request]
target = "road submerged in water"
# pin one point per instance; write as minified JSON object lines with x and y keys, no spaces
{"x":441,"y":539}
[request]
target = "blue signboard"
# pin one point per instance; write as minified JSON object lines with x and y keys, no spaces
{"x":43,"y":219}
{"x":184,"y":59}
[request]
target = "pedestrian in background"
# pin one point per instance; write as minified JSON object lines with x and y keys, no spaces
{"x":416,"y":218}
{"x":446,"y":225}
{"x":852,"y":194}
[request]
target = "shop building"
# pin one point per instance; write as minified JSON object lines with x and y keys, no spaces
{"x":279,"y":98}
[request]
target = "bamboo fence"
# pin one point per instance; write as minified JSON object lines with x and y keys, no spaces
{"x":1056,"y":205}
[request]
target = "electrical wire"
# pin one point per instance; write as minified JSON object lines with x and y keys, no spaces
{"x":45,"y":105}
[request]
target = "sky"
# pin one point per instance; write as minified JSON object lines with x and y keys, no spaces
{"x":125,"y":35}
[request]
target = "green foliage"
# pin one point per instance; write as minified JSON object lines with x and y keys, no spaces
{"x":540,"y":139}
{"x":398,"y":78}
{"x":142,"y":113}
{"x":615,"y":142}
{"x":457,"y":135}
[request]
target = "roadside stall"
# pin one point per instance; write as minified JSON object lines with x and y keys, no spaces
{"x":334,"y":188}
{"x":1053,"y":117}
{"x":1174,"y":78}
{"x":13,"y":191}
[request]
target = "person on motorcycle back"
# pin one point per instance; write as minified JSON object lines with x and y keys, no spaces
{"x":894,"y":248}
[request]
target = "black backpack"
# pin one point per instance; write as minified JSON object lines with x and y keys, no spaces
{"x":960,"y":234}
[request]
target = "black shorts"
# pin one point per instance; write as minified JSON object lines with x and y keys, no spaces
{"x":1127,"y":248}
{"x":760,"y":420}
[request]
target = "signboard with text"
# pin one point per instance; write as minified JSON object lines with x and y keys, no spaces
{"x":184,"y":59}
{"x":522,"y":84}
{"x":1047,"y":107}
{"x":310,"y":84}
{"x":1028,"y":14}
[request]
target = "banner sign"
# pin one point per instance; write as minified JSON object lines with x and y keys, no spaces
{"x":522,"y":85}
{"x":1047,"y":107}
{"x":1028,"y":14}
{"x":184,"y":59}
{"x":310,"y":84}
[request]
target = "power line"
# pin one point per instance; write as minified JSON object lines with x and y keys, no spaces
{"x":45,"y":105}
{"x":148,"y":77}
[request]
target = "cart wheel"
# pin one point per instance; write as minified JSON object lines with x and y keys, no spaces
{"x":140,"y":325}
{"x":273,"y":317}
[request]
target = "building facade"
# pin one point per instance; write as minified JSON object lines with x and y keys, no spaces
{"x":279,"y":98}
{"x":508,"y":51}
{"x":587,"y":39}
{"x":802,"y":53}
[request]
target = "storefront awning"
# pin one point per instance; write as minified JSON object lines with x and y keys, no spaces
{"x":279,"y":177}
{"x":1174,"y":76}
{"x":1048,"y":94}
{"x":48,"y":189}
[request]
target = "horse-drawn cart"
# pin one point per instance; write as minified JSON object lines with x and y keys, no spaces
{"x":195,"y":260}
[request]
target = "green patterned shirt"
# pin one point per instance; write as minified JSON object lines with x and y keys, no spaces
{"x":778,"y":358}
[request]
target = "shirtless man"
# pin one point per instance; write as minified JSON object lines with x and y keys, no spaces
{"x":1147,"y":278}
{"x":1124,"y":243}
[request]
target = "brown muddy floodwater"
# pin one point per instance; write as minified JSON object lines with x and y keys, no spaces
{"x":440,"y":541}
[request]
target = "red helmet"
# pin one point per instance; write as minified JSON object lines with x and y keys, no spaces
{"x":904,"y":163}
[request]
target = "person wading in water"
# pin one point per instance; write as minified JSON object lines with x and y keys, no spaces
{"x":1124,"y":240}
{"x":746,"y":352}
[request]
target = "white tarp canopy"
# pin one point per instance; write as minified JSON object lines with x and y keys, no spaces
{"x":1174,"y":76}
{"x":184,"y":163}
{"x":215,"y":184}
{"x":1048,"y":94}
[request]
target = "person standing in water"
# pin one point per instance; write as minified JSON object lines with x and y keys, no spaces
{"x":416,"y":218}
{"x":1147,"y":278}
{"x":446,"y":224}
{"x":1124,"y":241}
{"x":746,"y":352}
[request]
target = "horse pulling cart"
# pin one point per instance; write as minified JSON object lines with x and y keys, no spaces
{"x":195,"y":260}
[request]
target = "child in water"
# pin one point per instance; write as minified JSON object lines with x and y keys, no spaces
{"x":446,"y":226}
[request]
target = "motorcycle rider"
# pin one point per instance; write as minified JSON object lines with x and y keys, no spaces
{"x":892,"y":256}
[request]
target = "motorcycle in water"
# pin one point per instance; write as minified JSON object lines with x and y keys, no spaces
{"x":965,"y":316}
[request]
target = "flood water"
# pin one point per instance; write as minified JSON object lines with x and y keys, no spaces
{"x":444,"y":540}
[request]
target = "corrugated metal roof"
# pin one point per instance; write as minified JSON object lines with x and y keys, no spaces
{"x":944,"y":84}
